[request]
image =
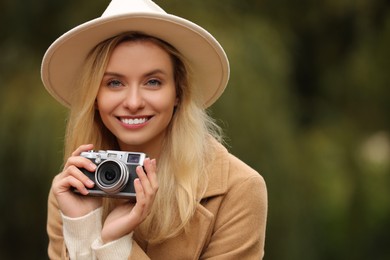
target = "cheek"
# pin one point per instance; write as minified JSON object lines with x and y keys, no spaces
{"x":105,"y":100}
{"x":167,"y":103}
{"x":99,"y":105}
{"x":103,"y":106}
{"x":103,"y":113}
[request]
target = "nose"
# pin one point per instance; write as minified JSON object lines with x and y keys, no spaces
{"x":133,"y":99}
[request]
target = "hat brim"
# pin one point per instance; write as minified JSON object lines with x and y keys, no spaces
{"x":209,"y":65}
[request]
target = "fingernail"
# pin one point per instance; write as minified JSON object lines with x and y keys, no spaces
{"x":90,"y":183}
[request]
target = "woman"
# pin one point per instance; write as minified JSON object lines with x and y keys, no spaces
{"x":138,"y":79}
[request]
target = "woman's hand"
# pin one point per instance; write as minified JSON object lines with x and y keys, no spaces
{"x":126,"y":216}
{"x":71,"y":204}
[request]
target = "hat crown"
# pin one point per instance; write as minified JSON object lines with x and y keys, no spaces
{"x":118,"y":7}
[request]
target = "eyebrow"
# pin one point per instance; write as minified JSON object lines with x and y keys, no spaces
{"x":112,"y":74}
{"x":156,"y":71}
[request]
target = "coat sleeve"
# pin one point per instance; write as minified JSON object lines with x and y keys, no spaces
{"x":56,"y":249}
{"x":239,"y":231}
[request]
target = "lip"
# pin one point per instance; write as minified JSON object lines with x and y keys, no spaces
{"x":134,"y":122}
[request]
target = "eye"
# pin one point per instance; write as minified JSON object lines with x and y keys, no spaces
{"x":114,"y":83}
{"x":153,"y":82}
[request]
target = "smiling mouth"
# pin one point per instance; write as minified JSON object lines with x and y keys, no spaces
{"x":134,"y":121}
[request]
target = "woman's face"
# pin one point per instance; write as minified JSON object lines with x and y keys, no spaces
{"x":137,"y":96}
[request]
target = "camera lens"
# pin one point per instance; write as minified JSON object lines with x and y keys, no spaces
{"x":111,"y":176}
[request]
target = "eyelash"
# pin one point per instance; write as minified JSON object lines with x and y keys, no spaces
{"x":153,"y":82}
{"x":114,"y":83}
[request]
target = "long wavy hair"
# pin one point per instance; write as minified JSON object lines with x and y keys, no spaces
{"x":187,"y":147}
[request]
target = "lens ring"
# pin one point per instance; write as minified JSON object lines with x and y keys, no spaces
{"x":108,"y":183}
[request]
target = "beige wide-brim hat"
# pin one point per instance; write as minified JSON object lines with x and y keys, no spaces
{"x":64,"y":59}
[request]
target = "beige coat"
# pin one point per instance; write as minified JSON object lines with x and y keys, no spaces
{"x":229,"y":223}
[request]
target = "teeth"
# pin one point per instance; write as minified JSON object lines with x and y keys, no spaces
{"x":135,"y":121}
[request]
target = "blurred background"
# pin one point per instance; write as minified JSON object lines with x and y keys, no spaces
{"x":307,"y":106}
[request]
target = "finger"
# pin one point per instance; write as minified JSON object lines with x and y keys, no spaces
{"x":77,"y":152}
{"x":82,"y":148}
{"x":144,"y":180}
{"x":80,"y":162}
{"x":61,"y":185}
{"x":150,"y":167}
{"x":150,"y":175}
{"x":139,"y":191}
{"x":77,"y":174}
{"x":146,"y":187}
{"x":75,"y":183}
{"x":143,"y":205}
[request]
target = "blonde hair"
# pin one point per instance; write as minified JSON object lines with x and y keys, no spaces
{"x":182,"y":166}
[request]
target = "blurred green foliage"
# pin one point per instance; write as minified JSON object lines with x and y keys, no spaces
{"x":307,"y":106}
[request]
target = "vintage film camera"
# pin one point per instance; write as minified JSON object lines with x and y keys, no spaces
{"x":115,"y":173}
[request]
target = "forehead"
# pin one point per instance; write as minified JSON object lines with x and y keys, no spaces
{"x":141,"y":46}
{"x":139,"y":55}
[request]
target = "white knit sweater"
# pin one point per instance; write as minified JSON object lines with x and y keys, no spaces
{"x":83,"y":241}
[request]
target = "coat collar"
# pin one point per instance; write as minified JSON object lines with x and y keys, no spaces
{"x":218,"y":173}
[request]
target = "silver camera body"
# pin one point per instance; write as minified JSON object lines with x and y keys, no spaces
{"x":115,"y":172}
